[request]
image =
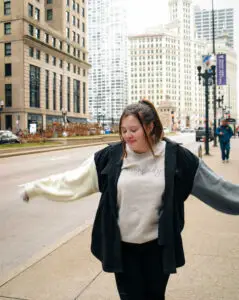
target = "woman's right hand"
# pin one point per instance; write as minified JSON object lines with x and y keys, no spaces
{"x":25,"y":197}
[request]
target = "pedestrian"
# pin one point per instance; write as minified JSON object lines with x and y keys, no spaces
{"x":144,"y":181}
{"x":225,"y":133}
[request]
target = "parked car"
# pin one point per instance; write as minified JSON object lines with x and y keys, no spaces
{"x":7,"y":137}
{"x":201,"y":133}
{"x":187,"y":130}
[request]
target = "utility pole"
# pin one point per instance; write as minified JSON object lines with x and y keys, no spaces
{"x":214,"y":85}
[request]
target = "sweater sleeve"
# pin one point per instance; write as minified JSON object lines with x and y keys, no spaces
{"x":214,"y":191}
{"x":69,"y":186}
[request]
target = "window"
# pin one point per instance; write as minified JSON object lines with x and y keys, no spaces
{"x":34,"y":86}
{"x":7,"y":28}
{"x":68,"y":93}
{"x":83,"y":27}
{"x":68,"y":67}
{"x":61,"y":92}
{"x":67,"y":17}
{"x":30,"y":10}
{"x":38,"y":33}
{"x":68,"y":2}
{"x":49,"y":1}
{"x":78,"y":23}
{"x":68,"y":32}
{"x":84,"y":97}
{"x":31,"y":51}
{"x":83,"y":42}
{"x":38,"y":54}
{"x":47,"y":89}
{"x":8,"y":69}
{"x":60,"y":45}
{"x":54,"y":42}
{"x":83,"y":56}
{"x":74,"y":51}
{"x":37,"y":14}
{"x":74,"y":36}
{"x":83,"y":12}
{"x":46,"y":38}
{"x":78,"y":71}
{"x":68,"y":48}
{"x":8,"y":95}
{"x":73,"y":4}
{"x":54,"y":91}
{"x":74,"y":20}
{"x":84,"y":73}
{"x":7,"y":8}
{"x":78,"y":38}
{"x":49,"y":14}
{"x":78,"y":8}
{"x":76,"y":96}
{"x":74,"y":69}
{"x":47,"y":58}
{"x":53,"y":60}
{"x":8,"y":49}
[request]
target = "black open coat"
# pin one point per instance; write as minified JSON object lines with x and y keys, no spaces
{"x":185,"y":174}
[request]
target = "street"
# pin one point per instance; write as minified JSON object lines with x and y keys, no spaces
{"x":28,"y":229}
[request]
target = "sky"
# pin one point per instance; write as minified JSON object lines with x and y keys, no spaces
{"x":143,"y":14}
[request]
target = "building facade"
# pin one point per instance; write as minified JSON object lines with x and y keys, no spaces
{"x":44,"y":70}
{"x":108,"y":58}
{"x":163,"y":65}
{"x":224,"y":22}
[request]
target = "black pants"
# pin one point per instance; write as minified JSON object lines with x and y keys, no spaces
{"x":143,"y":277}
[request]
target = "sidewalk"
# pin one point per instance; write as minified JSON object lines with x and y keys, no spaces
{"x":211,"y":242}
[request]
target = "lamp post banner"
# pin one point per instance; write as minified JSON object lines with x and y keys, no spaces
{"x":221,"y":69}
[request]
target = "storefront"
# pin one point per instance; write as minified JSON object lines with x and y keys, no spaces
{"x":35,"y":119}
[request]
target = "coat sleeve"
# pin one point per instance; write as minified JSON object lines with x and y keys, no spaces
{"x":68,"y":186}
{"x":218,"y":131}
{"x":214,"y":191}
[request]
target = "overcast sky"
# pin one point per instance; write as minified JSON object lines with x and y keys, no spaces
{"x":143,"y":14}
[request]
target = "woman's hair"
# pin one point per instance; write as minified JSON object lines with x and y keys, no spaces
{"x":146,"y":113}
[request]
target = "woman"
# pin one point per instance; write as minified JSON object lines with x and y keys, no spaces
{"x":144,"y":181}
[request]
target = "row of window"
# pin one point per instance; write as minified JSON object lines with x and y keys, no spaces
{"x":75,"y":21}
{"x":35,"y":83}
{"x":35,"y":32}
{"x":76,"y":7}
{"x":35,"y":53}
{"x":33,"y":13}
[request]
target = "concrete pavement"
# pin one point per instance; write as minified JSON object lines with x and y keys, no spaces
{"x":212,"y":253}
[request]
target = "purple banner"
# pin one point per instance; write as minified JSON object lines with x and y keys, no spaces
{"x":221,"y":69}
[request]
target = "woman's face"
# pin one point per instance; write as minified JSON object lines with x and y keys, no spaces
{"x":133,"y":134}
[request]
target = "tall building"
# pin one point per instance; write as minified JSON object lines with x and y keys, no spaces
{"x":163,"y":63}
{"x":108,"y":57}
{"x":224,"y":22}
{"x":155,"y":63}
{"x":43,"y":70}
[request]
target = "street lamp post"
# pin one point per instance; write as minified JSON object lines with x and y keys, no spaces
{"x":214,"y":85}
{"x":206,"y":76}
{"x":1,"y":108}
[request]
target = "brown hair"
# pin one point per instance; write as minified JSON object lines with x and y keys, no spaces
{"x":146,"y":113}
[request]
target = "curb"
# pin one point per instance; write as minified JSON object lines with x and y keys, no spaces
{"x":44,"y":253}
{"x":59,"y":148}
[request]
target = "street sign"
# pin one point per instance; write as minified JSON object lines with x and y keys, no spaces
{"x":221,"y":69}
